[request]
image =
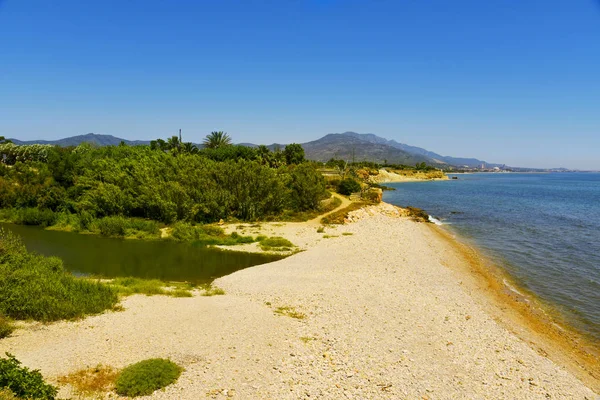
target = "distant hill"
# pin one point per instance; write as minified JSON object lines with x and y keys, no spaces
{"x":458,"y":161}
{"x":348,"y":146}
{"x":351,"y":147}
{"x":100,"y":140}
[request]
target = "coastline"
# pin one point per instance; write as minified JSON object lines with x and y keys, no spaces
{"x":395,"y":308}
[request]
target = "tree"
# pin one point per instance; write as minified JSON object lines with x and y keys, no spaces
{"x":216,"y":139}
{"x":189,"y":148}
{"x":294,"y":154}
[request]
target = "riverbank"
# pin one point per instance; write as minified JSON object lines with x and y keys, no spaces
{"x":383,"y":307}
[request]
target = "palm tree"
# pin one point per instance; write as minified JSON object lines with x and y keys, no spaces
{"x":189,"y":148}
{"x":216,"y":140}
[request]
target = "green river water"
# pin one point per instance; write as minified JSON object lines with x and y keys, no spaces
{"x":91,"y":255}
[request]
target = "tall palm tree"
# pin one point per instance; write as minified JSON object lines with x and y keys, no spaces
{"x":216,"y":140}
{"x":189,"y":148}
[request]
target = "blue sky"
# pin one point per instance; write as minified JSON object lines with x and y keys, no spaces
{"x":505,"y":81}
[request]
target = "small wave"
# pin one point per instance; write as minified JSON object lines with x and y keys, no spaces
{"x":435,"y":220}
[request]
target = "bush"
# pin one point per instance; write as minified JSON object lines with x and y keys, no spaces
{"x":22,"y":381}
{"x":6,"y":328}
{"x":111,"y":226}
{"x":35,"y":216}
{"x":348,"y":186}
{"x":39,"y":288}
{"x":145,"y":377}
{"x":276,"y":244}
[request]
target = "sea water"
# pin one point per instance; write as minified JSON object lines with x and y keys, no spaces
{"x":543,"y":229}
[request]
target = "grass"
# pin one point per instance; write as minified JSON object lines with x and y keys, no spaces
{"x":145,"y":377}
{"x":307,"y":339}
{"x":339,"y":217}
{"x":276,"y":243}
{"x":302,"y":216}
{"x":290,"y":312}
{"x":6,"y":327}
{"x":150,"y":287}
{"x":207,"y":235}
{"x":91,"y":380}
{"x":210,"y":290}
{"x":39,"y":288}
{"x":347,"y":233}
{"x":321,"y":229}
{"x":329,"y":236}
{"x":22,"y":382}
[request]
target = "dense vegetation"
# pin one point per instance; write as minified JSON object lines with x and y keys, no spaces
{"x":39,"y":288}
{"x":21,"y":382}
{"x":93,"y":189}
{"x":145,"y":377}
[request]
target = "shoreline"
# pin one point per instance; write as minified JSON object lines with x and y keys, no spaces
{"x":413,"y":317}
{"x":522,"y":312}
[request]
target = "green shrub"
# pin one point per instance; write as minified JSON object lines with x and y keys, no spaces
{"x":145,"y":377}
{"x":39,"y":288}
{"x":35,"y":216}
{"x":22,"y":381}
{"x":6,"y":327}
{"x":348,"y":186}
{"x":111,"y":226}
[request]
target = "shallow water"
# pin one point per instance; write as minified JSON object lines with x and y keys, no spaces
{"x":544,"y":229}
{"x":91,"y":255}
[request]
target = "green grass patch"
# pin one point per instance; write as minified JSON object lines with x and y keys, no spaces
{"x":23,"y":382}
{"x":39,"y":288}
{"x":276,"y":243}
{"x":130,"y":285}
{"x":207,"y":235}
{"x":6,"y":327}
{"x":210,"y":290}
{"x":289,"y":312}
{"x":145,"y":377}
{"x":339,"y":217}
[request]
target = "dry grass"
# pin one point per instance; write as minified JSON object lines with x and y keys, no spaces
{"x":92,"y":380}
{"x":290,"y":312}
{"x":210,"y":290}
{"x":339,"y":217}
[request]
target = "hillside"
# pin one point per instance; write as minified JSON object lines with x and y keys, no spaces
{"x":349,"y":147}
{"x":459,"y":161}
{"x":100,"y":140}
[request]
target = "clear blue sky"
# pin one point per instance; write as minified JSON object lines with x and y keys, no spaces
{"x":516,"y":82}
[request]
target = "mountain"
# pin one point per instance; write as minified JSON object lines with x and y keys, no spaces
{"x":351,"y":147}
{"x":458,"y":161}
{"x":100,"y":140}
{"x":348,"y":146}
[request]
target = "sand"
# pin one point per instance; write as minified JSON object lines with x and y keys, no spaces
{"x":389,"y":314}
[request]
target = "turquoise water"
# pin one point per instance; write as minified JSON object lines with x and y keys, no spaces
{"x":544,"y":229}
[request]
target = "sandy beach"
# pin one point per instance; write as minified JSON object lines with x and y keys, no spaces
{"x":383,"y":308}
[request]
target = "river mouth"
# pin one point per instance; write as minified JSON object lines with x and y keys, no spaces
{"x":96,"y":256}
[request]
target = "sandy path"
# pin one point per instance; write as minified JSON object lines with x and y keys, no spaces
{"x":385,"y":319}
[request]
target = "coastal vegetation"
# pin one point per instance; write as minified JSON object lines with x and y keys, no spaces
{"x":37,"y":287}
{"x":145,"y":377}
{"x":134,"y":191}
{"x":19,"y":382}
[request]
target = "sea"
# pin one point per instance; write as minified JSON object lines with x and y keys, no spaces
{"x":542,"y":229}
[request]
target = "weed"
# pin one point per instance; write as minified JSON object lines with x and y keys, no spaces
{"x":22,"y":381}
{"x":145,"y":377}
{"x":6,"y":327}
{"x":39,"y":288}
{"x":290,"y":312}
{"x":180,"y":293}
{"x":276,"y":244}
{"x":150,"y":287}
{"x":329,"y":236}
{"x":321,"y":229}
{"x":347,"y":233}
{"x":91,"y":380}
{"x":210,"y":290}
{"x":7,"y":394}
{"x":307,"y":339}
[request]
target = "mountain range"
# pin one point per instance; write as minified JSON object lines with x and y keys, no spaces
{"x":349,"y":146}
